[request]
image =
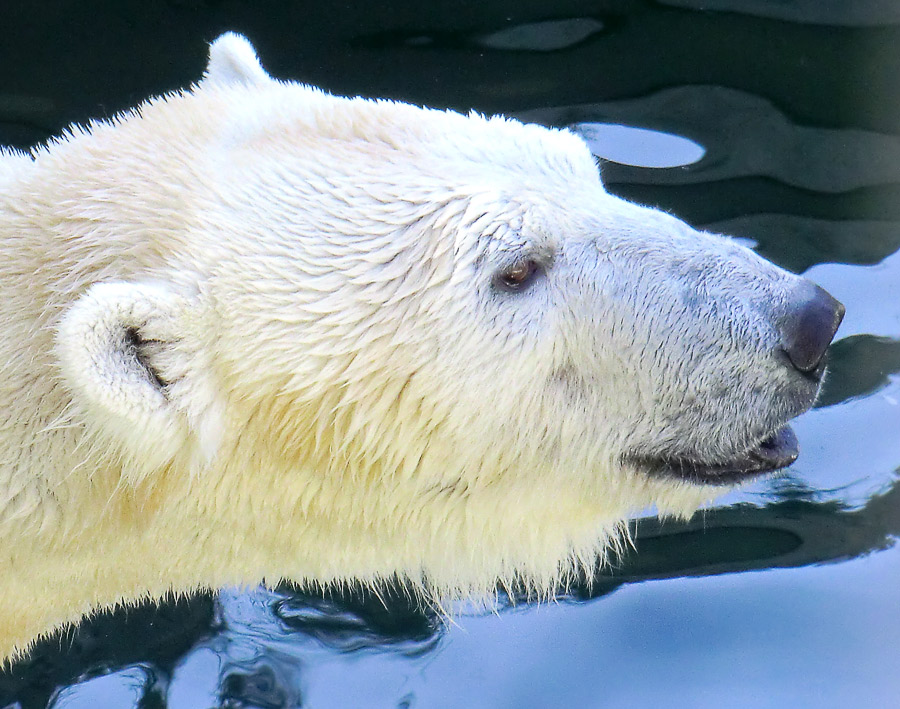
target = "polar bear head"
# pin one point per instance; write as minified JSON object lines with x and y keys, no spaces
{"x":430,"y":344}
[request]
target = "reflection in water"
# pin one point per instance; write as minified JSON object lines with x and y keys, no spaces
{"x":793,"y":161}
{"x":722,"y":200}
{"x":804,"y":195}
{"x":871,"y":294}
{"x":352,"y":621}
{"x":745,"y":136}
{"x":156,"y":638}
{"x":859,"y":366}
{"x":542,"y":36}
{"x":118,"y":689}
{"x":799,"y":242}
{"x":258,"y":687}
{"x":790,"y":533}
{"x":258,"y":648}
{"x":857,"y":13}
{"x":640,"y":147}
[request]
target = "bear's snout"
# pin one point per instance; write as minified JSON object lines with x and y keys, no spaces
{"x":807,"y":326}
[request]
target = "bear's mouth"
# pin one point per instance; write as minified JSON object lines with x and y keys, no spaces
{"x":774,"y":453}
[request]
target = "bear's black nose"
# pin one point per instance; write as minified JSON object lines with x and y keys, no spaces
{"x":808,"y":325}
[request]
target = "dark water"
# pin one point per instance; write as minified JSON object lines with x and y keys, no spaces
{"x":778,"y":122}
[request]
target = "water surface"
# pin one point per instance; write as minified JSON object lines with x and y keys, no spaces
{"x":774,"y":122}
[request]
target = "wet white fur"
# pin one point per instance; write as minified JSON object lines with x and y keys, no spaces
{"x":347,"y":396}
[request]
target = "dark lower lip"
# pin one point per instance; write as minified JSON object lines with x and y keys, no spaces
{"x":814,"y":375}
{"x":774,"y":453}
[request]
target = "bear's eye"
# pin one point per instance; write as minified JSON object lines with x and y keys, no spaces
{"x":517,"y":276}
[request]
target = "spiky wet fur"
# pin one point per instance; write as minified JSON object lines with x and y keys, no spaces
{"x":249,"y":335}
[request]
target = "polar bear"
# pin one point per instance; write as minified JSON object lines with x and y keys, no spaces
{"x":254,"y":332}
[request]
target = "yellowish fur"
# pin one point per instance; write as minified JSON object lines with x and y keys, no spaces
{"x":290,"y":261}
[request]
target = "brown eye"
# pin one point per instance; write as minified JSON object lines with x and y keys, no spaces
{"x":517,"y":276}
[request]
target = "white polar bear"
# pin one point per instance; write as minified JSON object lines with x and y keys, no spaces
{"x":253,"y":331}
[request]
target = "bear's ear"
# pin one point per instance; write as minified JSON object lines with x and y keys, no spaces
{"x":232,"y":60}
{"x":130,"y":356}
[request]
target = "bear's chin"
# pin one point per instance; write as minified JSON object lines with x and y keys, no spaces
{"x":774,"y":453}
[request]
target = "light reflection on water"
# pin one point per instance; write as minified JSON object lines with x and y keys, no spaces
{"x":120,"y":689}
{"x":544,"y":36}
{"x":813,"y":636}
{"x":811,"y":621}
{"x":639,"y":147}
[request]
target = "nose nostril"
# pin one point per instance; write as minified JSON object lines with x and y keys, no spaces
{"x":808,"y":326}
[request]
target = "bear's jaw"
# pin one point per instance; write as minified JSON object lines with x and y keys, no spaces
{"x":773,"y":453}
